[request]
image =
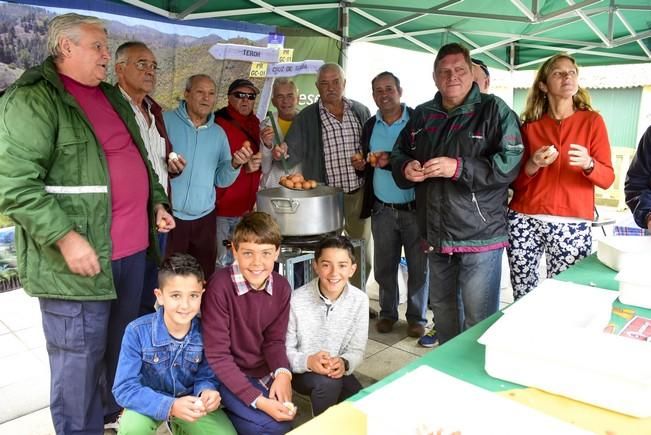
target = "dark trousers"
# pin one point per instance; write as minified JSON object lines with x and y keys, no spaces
{"x":148,"y":299}
{"x":128,"y":276}
{"x":324,"y":391}
{"x":196,"y":238}
{"x":248,"y":420}
{"x":75,"y":336}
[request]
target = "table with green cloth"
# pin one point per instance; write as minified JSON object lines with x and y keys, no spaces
{"x":463,"y":358}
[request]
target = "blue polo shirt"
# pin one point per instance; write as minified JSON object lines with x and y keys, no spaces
{"x":383,"y":138}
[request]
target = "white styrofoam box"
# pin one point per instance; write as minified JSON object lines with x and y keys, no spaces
{"x":565,"y":351}
{"x":635,"y":287}
{"x":618,"y":252}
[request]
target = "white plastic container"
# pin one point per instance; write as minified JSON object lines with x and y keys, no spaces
{"x":553,"y":340}
{"x":619,"y":252}
{"x":635,"y":287}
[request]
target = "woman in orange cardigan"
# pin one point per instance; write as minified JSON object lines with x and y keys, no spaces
{"x":567,"y":153}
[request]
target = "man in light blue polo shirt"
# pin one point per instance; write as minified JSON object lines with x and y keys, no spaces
{"x":392,"y":211}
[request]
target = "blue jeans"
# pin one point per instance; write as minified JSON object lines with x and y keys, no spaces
{"x":248,"y":420}
{"x":476,"y":276}
{"x":393,"y":229}
{"x":225,"y":228}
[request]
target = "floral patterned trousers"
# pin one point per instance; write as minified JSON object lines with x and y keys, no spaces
{"x":563,"y":244}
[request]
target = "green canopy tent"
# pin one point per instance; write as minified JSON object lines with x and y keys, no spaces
{"x":508,"y":34}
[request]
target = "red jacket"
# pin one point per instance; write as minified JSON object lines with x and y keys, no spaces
{"x":561,"y":189}
{"x":239,"y":198}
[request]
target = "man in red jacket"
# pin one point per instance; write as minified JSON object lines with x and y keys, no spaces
{"x":242,"y":128}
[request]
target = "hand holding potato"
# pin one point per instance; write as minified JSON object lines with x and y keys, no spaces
{"x":175,"y":163}
{"x":254,"y":162}
{"x":378,"y":159}
{"x":358,"y":161}
{"x":241,"y":156}
{"x":414,"y":171}
{"x":542,"y":158}
{"x":279,"y":151}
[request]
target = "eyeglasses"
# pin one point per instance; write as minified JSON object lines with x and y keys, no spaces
{"x":243,"y":95}
{"x":143,"y":65}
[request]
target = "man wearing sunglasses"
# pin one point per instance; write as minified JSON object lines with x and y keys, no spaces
{"x":242,"y":128}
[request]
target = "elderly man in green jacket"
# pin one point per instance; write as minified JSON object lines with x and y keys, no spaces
{"x":75,"y":179}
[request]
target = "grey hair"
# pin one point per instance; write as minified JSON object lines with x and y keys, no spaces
{"x":190,"y":80}
{"x":67,"y":26}
{"x":283,"y":81}
{"x":121,"y":52}
{"x":331,"y":66}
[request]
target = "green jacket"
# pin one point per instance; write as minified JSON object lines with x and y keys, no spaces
{"x":54,"y":178}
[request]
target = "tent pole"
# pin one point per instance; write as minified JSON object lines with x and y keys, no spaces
{"x":344,"y":30}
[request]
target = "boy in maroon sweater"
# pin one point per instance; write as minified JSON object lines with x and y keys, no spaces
{"x":244,"y":315}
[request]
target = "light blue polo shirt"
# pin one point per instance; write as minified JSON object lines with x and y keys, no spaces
{"x":383,"y":138}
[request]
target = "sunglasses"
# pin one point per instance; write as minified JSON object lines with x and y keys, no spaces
{"x":243,"y":95}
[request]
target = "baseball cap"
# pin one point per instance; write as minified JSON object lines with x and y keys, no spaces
{"x":242,"y":82}
{"x":481,"y":65}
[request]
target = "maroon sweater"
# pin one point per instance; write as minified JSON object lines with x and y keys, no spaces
{"x":244,"y":335}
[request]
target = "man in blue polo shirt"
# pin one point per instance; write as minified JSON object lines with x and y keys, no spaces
{"x":392,"y":211}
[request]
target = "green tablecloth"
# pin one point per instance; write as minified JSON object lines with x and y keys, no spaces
{"x":463,"y":357}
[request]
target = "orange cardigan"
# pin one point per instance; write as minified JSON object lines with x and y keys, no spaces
{"x":561,"y":189}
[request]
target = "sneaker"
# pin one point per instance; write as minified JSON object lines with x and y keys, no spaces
{"x":113,"y":423}
{"x":430,"y":339}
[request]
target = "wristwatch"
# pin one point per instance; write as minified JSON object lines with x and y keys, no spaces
{"x":591,"y":165}
{"x":346,"y":364}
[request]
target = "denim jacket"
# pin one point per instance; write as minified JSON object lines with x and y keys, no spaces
{"x":155,"y":368}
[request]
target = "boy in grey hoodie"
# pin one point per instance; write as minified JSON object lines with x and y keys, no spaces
{"x":328,"y":328}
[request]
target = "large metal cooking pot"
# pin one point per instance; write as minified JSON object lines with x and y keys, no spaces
{"x":304,"y":212}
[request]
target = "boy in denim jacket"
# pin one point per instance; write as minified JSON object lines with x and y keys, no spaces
{"x":245,"y":316}
{"x":162,"y":374}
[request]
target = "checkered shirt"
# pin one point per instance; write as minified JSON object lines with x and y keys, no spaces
{"x":341,"y":140}
{"x":242,"y":286}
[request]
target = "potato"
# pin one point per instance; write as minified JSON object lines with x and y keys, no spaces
{"x":306,"y":185}
{"x":290,"y":407}
{"x":283,"y":179}
{"x":313,"y":184}
{"x":289,"y":184}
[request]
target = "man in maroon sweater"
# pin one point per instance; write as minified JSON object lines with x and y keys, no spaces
{"x":245,"y":314}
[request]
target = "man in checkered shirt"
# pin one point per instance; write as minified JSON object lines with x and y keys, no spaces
{"x":325,"y":139}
